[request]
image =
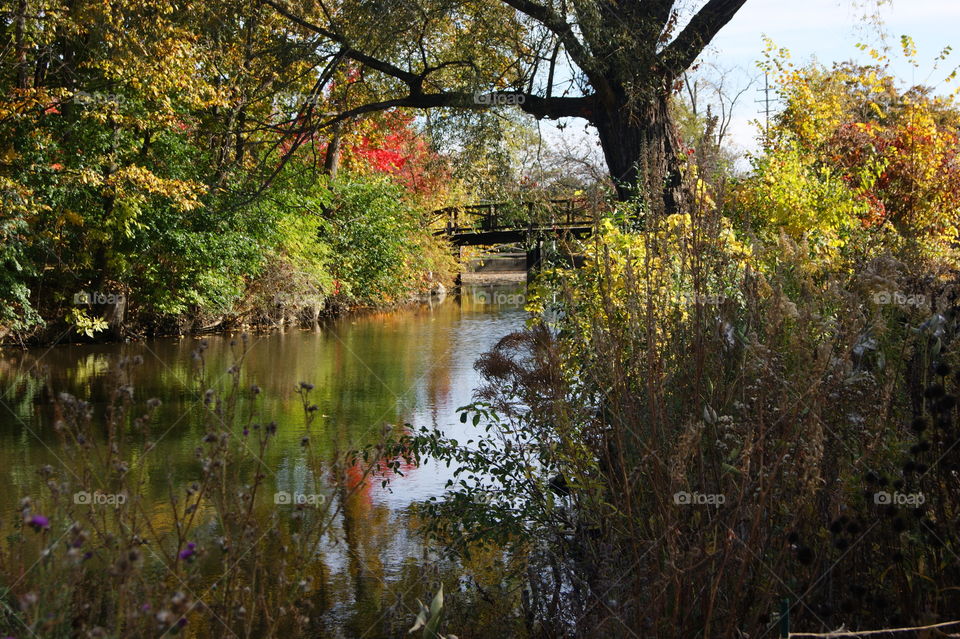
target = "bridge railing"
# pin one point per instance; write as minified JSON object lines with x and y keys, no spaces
{"x":498,"y":216}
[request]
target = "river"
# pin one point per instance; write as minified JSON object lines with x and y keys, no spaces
{"x":410,"y":366}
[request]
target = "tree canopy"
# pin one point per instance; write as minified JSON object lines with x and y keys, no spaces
{"x":612,"y":63}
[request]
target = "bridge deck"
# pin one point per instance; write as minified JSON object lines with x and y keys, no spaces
{"x":474,"y":237}
{"x":506,"y":222}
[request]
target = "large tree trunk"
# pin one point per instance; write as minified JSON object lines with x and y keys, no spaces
{"x":641,"y":147}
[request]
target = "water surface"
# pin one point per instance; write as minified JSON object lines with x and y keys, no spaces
{"x":411,"y":366}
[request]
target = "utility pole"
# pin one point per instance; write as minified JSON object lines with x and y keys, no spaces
{"x":766,"y":102}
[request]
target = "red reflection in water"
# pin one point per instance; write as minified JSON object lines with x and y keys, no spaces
{"x":360,"y":485}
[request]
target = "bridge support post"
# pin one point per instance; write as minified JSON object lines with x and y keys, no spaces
{"x":534,"y":258}
{"x":458,"y":281}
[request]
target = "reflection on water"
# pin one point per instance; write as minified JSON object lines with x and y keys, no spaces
{"x":409,"y":366}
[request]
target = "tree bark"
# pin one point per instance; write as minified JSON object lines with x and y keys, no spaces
{"x":641,"y":148}
{"x":20,"y":43}
{"x":331,"y":162}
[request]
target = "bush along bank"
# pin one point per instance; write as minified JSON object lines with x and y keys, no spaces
{"x":314,"y":251}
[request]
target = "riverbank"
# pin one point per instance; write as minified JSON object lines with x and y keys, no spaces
{"x":260,"y":321}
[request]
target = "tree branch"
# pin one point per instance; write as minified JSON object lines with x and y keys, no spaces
{"x":558,"y":25}
{"x":660,"y":12}
{"x":412,"y":80}
{"x":683,"y":51}
{"x":535,"y":105}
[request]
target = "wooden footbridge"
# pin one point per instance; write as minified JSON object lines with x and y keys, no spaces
{"x":491,"y":223}
{"x":528,"y":223}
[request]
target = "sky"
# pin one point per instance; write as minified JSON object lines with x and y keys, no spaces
{"x":827,"y":31}
{"x":822,"y":30}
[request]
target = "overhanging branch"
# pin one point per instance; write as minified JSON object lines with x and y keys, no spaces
{"x":412,"y":80}
{"x":683,"y":51}
{"x":540,"y":107}
{"x":537,"y":106}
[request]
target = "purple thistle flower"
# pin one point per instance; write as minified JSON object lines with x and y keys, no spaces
{"x":188,"y":552}
{"x":38,"y":523}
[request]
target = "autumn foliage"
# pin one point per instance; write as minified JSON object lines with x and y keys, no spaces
{"x":162,"y":152}
{"x":854,"y":158}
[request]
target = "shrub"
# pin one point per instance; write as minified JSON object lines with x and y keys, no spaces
{"x":384,"y":251}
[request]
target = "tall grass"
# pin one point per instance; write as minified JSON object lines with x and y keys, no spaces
{"x":711,"y":426}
